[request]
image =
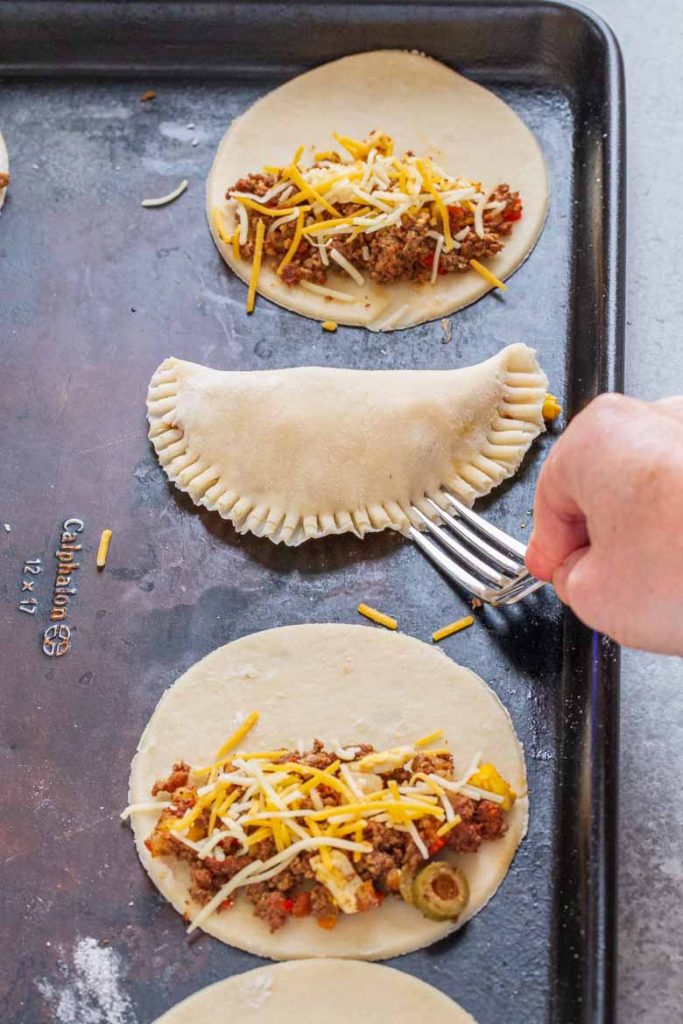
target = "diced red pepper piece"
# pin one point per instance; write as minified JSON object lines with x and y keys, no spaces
{"x":514,"y":210}
{"x":288,"y":905}
{"x":455,"y":216}
{"x":301,"y":904}
{"x":437,"y":845}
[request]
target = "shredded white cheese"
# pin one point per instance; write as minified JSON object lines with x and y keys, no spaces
{"x":417,"y":839}
{"x":342,"y":262}
{"x":331,"y":293}
{"x":156,"y":805}
{"x":393,"y":320}
{"x":243,"y":218}
{"x":163,"y":200}
{"x":479,"y":218}
{"x":285,"y":219}
{"x":437,"y":257}
{"x":324,"y":258}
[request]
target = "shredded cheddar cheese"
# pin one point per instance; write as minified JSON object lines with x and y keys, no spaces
{"x":268,"y":211}
{"x":487,"y":778}
{"x":103,"y":549}
{"x":424,"y":169}
{"x":379,"y":617}
{"x":551,"y":408}
{"x":432,"y":737}
{"x":289,"y":255}
{"x":256,"y":265}
{"x":453,"y":627}
{"x":329,"y":325}
{"x":446,"y":828}
{"x":308,"y":190}
{"x":243,"y":730}
{"x":324,"y":226}
{"x":487,"y":275}
{"x":216,"y":220}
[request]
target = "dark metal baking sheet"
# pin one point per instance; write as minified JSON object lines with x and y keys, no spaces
{"x":95,"y":292}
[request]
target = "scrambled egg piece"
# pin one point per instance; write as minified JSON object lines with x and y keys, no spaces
{"x":386,"y":761}
{"x":340,"y":880}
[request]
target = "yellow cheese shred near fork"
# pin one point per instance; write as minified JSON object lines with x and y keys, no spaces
{"x":453,"y":627}
{"x":379,"y":617}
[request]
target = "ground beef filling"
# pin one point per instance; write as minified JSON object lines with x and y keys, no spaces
{"x":404,"y":252}
{"x":294,"y":892}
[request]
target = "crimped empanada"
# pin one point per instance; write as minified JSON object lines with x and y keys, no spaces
{"x":302,"y":453}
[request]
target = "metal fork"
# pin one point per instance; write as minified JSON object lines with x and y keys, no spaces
{"x":498,"y":572}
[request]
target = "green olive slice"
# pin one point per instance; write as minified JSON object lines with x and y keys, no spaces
{"x":440,"y":891}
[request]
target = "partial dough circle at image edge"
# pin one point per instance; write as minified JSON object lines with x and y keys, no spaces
{"x":311,"y":991}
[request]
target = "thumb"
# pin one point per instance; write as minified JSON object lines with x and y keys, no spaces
{"x":562,"y":577}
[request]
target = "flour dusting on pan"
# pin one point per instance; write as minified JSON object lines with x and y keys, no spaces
{"x":91,"y":991}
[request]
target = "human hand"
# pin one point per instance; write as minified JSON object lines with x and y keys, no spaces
{"x":608,"y":521}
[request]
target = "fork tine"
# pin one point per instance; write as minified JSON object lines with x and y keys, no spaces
{"x":496,"y":556}
{"x":450,"y":567}
{"x":516,"y":593}
{"x":492,"y":532}
{"x":463,"y":553}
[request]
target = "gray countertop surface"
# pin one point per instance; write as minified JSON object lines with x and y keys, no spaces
{"x":651,"y":844}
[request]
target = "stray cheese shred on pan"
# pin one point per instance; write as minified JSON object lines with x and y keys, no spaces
{"x":551,"y":408}
{"x":103,"y":548}
{"x":453,"y":627}
{"x":379,"y":617}
{"x":163,"y":200}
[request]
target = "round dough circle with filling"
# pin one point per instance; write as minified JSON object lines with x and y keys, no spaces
{"x":426,"y":107}
{"x":341,"y":684}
